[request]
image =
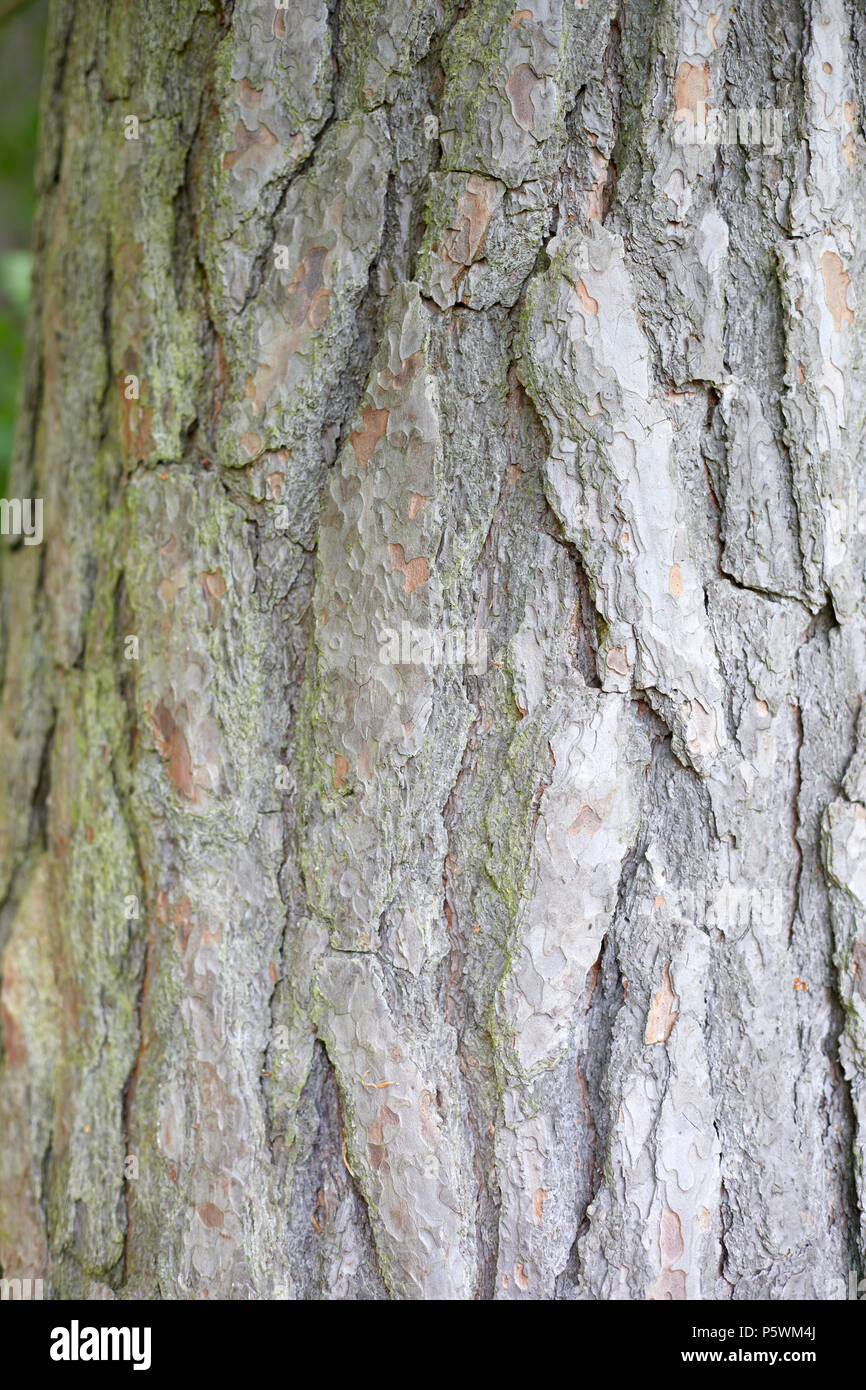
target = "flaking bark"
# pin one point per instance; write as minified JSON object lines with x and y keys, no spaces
{"x":537,"y":977}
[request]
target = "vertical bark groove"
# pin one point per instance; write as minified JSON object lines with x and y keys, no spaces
{"x":399,"y":971}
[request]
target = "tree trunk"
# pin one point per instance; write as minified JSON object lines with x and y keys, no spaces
{"x":434,"y":782}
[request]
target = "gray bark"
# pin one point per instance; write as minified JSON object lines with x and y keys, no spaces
{"x":529,"y":967}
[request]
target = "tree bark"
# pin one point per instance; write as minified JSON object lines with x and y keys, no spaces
{"x":433,"y":759}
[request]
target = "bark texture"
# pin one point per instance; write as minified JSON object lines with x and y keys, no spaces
{"x":327,"y":974}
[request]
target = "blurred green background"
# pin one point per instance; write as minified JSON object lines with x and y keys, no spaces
{"x":22,"y":36}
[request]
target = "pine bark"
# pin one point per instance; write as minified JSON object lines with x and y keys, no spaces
{"x":527,"y":964}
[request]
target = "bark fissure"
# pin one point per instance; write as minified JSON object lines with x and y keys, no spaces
{"x":449,"y":630}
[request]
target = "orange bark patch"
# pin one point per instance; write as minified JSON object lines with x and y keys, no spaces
{"x":374,"y":424}
{"x":308,"y":290}
{"x":408,"y":371}
{"x":587,"y":822}
{"x":616,"y":661}
{"x":836,"y":282}
{"x":173,"y":748}
{"x":252,"y":143}
{"x":213,"y":587}
{"x":414,"y":571}
{"x":675,"y":581}
{"x":521,"y":14}
{"x":384,"y":1116}
{"x":340,"y":773}
{"x":181,"y":911}
{"x":416,"y":502}
{"x":691,"y":85}
{"x":519,"y":88}
{"x":662,"y":1015}
{"x":211,"y":1215}
{"x":671,"y":1282}
{"x":136,"y":421}
{"x":587,"y":303}
{"x":250,"y":443}
{"x":181,"y":915}
{"x":214,"y":582}
{"x":464,"y":239}
{"x":538,"y":1205}
{"x":248,"y":96}
{"x":15,"y":1047}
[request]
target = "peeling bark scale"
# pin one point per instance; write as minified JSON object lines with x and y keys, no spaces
{"x":433,"y":809}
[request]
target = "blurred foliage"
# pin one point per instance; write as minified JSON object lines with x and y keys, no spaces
{"x":22,"y":37}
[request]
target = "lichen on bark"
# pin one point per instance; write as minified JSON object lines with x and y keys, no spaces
{"x":524,"y":968}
